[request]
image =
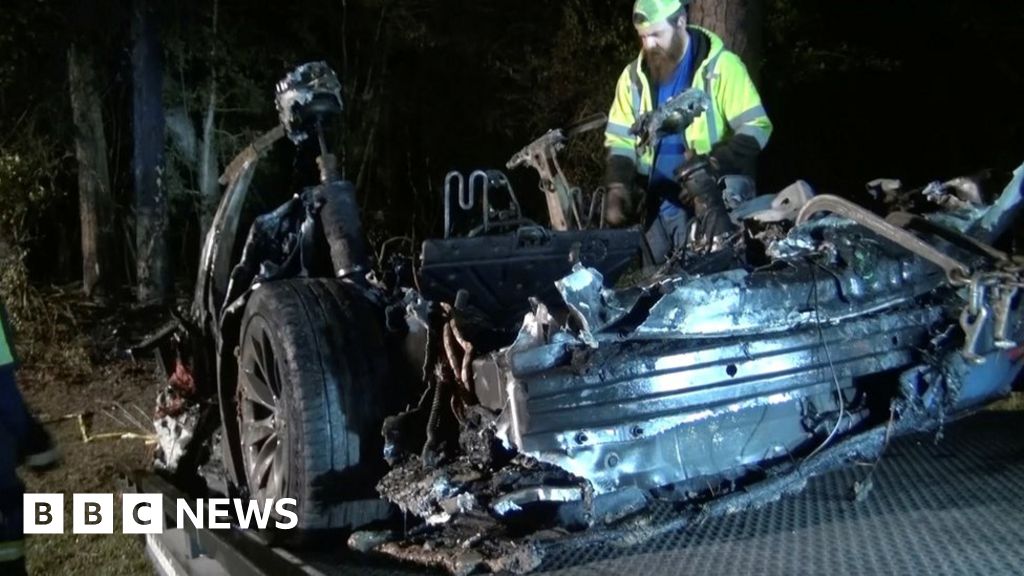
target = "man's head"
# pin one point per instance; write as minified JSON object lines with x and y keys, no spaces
{"x":661,"y":26}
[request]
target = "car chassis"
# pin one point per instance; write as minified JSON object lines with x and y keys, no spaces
{"x":525,"y":387}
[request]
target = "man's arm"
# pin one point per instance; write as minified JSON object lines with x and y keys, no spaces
{"x":621,"y":145}
{"x":620,"y":169}
{"x":749,"y":124}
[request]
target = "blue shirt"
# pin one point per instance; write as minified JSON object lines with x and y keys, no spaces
{"x":671,"y":150}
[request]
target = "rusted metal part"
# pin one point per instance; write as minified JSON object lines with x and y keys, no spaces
{"x":250,"y":154}
{"x":441,"y":399}
{"x":466,"y":367}
{"x":563,"y":201}
{"x":454,"y":362}
{"x":541,"y":155}
{"x":955,"y":270}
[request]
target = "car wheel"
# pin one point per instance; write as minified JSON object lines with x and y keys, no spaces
{"x":312,"y":396}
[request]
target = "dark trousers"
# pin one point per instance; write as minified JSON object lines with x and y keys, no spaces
{"x":14,"y":415}
{"x":13,"y":423}
{"x":12,"y":539}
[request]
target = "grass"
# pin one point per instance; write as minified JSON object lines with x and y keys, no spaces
{"x":58,"y":377}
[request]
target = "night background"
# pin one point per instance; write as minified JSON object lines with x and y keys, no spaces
{"x":857,"y":89}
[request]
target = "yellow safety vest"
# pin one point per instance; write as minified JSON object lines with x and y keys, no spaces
{"x":11,"y":551}
{"x":6,"y":353}
{"x":735,"y":105}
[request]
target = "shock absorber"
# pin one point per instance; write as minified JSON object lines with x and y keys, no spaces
{"x":340,"y":218}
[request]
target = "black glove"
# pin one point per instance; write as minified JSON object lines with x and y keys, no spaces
{"x":620,"y":206}
{"x":698,"y":181}
{"x":699,"y":190}
{"x":622,"y":200}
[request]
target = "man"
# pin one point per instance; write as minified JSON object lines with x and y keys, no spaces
{"x":22,"y":439}
{"x":681,"y":172}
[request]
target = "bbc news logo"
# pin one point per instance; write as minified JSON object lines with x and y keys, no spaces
{"x":144,"y":513}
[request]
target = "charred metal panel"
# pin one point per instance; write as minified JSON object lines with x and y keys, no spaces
{"x":594,"y":306}
{"x":304,"y":95}
{"x":649,"y":414}
{"x":737,"y":302}
{"x":501,"y":273}
{"x":217,"y":259}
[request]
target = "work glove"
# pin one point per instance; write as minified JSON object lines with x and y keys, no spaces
{"x":699,"y":190}
{"x":620,"y":205}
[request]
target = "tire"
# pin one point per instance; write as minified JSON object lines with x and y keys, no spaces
{"x":313,"y":391}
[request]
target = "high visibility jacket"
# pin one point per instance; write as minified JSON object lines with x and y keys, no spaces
{"x":6,"y":348}
{"x":735,"y":104}
{"x":11,"y":551}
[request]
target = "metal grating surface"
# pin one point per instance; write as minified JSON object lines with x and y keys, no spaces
{"x":956,"y":507}
{"x":952,"y":508}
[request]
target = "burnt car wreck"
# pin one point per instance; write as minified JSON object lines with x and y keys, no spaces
{"x":522,"y":387}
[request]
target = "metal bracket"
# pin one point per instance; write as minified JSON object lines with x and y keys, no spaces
{"x":455,"y":184}
{"x":1003,"y":296}
{"x":563,"y":199}
{"x":972,"y":321}
{"x":956,"y":271}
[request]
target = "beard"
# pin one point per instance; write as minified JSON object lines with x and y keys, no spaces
{"x":662,"y":61}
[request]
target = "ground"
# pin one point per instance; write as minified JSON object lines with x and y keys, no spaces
{"x":72,"y":375}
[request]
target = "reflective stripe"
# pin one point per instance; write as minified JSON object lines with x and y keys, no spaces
{"x":618,"y":130}
{"x":759,"y":134}
{"x":10,"y":551}
{"x":6,"y":357}
{"x":709,"y":73}
{"x":635,"y":89}
{"x":749,"y":116}
{"x":6,"y":354}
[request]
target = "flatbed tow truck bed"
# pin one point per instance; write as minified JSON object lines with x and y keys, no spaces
{"x":950,"y":507}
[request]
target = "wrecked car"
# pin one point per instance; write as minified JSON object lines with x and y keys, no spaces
{"x":522,"y":386}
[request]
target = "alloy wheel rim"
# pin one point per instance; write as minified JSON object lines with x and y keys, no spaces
{"x":263,"y":426}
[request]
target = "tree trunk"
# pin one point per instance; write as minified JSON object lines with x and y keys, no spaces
{"x":209,"y":188}
{"x":151,"y":208}
{"x":738,"y":22}
{"x":94,"y":195}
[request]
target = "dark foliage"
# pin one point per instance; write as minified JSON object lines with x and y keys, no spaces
{"x":857,"y":89}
